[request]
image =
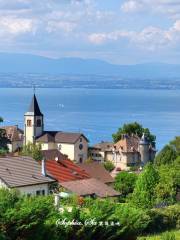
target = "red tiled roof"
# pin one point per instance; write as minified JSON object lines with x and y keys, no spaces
{"x":65,"y":170}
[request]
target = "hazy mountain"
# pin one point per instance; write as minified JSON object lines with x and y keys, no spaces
{"x":25,"y":63}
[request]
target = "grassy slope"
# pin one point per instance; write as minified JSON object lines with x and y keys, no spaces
{"x":158,"y":236}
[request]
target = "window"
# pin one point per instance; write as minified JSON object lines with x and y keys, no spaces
{"x":9,"y":136}
{"x":39,"y":123}
{"x":80,"y":160}
{"x":40,"y":192}
{"x":80,"y":139}
{"x":80,"y":146}
{"x":29,"y":123}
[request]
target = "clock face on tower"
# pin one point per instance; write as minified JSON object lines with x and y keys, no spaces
{"x":80,"y":146}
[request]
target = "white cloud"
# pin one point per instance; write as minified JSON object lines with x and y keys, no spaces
{"x":150,"y":38}
{"x":65,"y":26}
{"x":169,"y":7}
{"x":176,"y":26}
{"x":16,"y":26}
{"x":131,"y":6}
{"x":101,"y":38}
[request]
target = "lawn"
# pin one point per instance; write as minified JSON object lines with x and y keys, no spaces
{"x":172,"y":235}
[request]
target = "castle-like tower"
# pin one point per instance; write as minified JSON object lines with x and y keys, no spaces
{"x":144,"y":150}
{"x":33,"y":122}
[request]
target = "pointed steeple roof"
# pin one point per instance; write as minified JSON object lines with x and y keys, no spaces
{"x":34,"y":107}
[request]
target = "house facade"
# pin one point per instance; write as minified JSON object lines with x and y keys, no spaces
{"x":26,"y":175}
{"x":75,"y":145}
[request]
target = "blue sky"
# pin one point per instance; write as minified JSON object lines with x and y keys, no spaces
{"x":118,"y":31}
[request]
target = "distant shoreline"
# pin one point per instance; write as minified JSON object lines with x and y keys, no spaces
{"x":98,"y":88}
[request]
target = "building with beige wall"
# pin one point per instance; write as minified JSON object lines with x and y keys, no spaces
{"x":129,"y":151}
{"x":74,"y":145}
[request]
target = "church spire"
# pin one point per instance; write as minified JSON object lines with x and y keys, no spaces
{"x":34,"y":107}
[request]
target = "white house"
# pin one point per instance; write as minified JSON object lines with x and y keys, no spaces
{"x":26,"y":175}
{"x":75,"y":145}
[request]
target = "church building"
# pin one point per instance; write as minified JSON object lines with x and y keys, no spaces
{"x":74,"y":145}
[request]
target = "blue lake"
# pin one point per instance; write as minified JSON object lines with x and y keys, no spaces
{"x":97,"y":113}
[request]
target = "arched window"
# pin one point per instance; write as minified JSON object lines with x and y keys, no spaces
{"x":29,"y":123}
{"x":39,"y":123}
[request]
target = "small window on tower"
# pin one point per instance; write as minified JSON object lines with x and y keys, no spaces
{"x":38,"y":123}
{"x":29,"y":123}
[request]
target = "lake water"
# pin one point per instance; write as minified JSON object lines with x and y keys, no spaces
{"x":97,"y":113}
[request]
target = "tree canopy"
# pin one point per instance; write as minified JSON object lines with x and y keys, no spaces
{"x":169,"y":153}
{"x":125,"y":182}
{"x":166,"y":156}
{"x":144,"y":192}
{"x":32,"y":150}
{"x":3,"y":139}
{"x":169,"y":184}
{"x":176,"y":144}
{"x":134,"y":128}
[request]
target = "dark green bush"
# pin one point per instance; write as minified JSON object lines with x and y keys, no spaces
{"x":163,"y":219}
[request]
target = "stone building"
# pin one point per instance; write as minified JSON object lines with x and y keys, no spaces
{"x":129,"y":151}
{"x":14,"y":137}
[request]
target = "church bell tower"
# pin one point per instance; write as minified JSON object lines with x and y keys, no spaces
{"x":33,"y":122}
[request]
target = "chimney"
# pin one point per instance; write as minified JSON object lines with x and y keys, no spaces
{"x":43,"y":167}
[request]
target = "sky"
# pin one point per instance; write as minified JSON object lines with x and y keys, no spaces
{"x":117,"y":31}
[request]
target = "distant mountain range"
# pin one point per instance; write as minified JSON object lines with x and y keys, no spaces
{"x":25,"y":63}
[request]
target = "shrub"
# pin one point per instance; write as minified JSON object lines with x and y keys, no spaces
{"x":109,"y":166}
{"x":168,"y":236}
{"x":164,"y":219}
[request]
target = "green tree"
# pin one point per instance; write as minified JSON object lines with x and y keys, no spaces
{"x":134,"y":128}
{"x":125,"y":182}
{"x":3,"y":140}
{"x":166,"y":156}
{"x":27,"y":218}
{"x":32,"y":150}
{"x":109,"y":166}
{"x":169,"y":184}
{"x":144,"y":193}
{"x":176,"y":144}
